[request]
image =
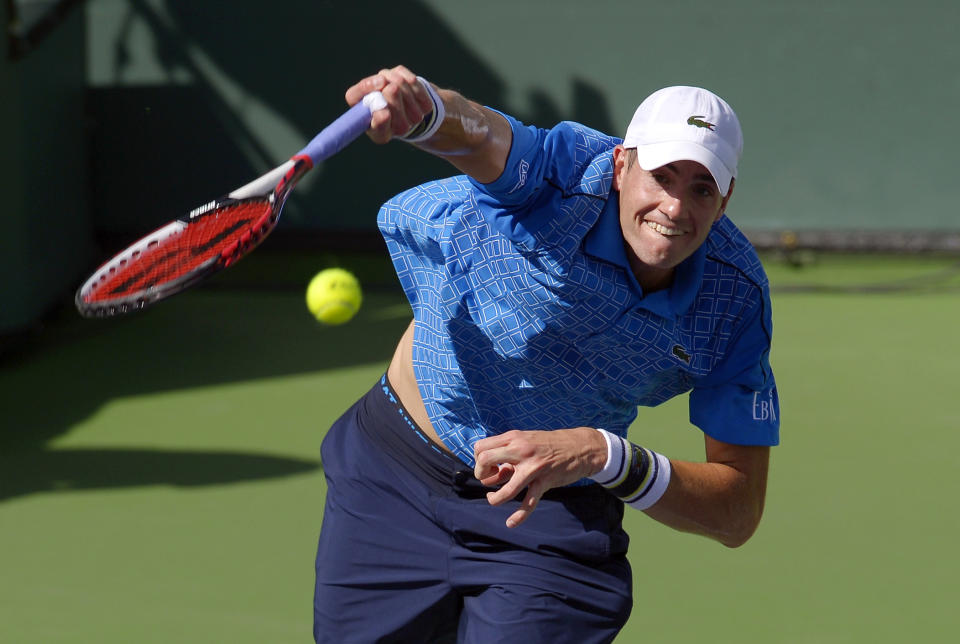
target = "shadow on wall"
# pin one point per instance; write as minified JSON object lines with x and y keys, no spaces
{"x":250,"y":83}
{"x":247,"y":84}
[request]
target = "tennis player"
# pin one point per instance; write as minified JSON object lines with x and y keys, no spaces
{"x":566,"y":277}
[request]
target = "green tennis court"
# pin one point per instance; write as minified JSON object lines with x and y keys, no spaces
{"x":160,"y":477}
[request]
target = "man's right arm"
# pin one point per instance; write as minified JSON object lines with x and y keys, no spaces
{"x":473,"y":138}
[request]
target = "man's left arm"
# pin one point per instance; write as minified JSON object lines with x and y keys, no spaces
{"x":738,"y":409}
{"x":721,"y":498}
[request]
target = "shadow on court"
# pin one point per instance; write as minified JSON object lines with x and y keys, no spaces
{"x":198,"y":339}
{"x":61,"y":470}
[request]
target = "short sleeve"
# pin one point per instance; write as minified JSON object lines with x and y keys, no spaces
{"x":738,"y":402}
{"x":524,"y":169}
{"x":524,"y":198}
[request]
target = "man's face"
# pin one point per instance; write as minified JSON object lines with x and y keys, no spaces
{"x":665,"y":214}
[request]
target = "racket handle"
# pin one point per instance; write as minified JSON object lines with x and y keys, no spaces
{"x":339,"y":134}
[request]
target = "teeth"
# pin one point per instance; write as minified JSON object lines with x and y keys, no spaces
{"x":663,"y":230}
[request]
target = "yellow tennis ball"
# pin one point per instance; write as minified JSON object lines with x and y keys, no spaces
{"x":334,"y":296}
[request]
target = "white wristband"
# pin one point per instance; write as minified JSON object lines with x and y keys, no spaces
{"x":613,"y":472}
{"x":426,"y":128}
{"x":625,"y":475}
{"x":660,"y":480}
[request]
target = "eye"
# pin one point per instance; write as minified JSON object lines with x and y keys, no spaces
{"x":705,"y":190}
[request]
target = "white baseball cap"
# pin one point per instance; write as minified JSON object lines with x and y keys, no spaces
{"x":687,"y":124}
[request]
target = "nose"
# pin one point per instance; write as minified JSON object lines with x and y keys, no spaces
{"x":671,"y":205}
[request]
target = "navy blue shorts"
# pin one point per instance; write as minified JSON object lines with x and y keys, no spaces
{"x":410,"y":550}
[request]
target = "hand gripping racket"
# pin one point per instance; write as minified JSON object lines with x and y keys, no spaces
{"x":215,"y":235}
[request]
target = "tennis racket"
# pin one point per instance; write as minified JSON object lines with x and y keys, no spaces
{"x":215,"y":235}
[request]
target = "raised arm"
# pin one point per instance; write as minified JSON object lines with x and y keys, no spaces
{"x":474,"y":139}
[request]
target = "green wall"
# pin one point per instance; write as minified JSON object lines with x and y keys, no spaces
{"x":46,"y":241}
{"x":134,"y":111}
{"x":847,"y":106}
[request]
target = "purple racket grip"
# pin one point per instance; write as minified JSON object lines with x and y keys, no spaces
{"x":339,"y":134}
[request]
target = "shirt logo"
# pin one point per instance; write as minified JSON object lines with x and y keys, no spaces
{"x":681,"y":353}
{"x":763,"y":410}
{"x":695,"y":120}
{"x":522,"y":172}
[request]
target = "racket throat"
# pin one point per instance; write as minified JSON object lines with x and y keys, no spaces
{"x":265,"y":184}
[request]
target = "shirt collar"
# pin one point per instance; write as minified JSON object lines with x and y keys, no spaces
{"x":605,"y":241}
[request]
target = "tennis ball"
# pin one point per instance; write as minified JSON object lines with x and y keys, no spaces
{"x":334,"y":296}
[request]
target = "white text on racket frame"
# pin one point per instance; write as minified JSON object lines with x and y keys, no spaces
{"x":207,"y":207}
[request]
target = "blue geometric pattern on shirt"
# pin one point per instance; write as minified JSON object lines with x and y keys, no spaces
{"x":577,"y":212}
{"x":544,"y":336}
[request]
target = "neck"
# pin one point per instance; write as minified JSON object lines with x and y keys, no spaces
{"x":652,"y":286}
{"x":650,"y":279}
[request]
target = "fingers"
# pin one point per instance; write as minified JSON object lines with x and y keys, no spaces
{"x":364,"y":87}
{"x":407,"y":102}
{"x":536,"y":460}
{"x":493,"y":451}
{"x":489,"y":455}
{"x":514,"y":484}
{"x":528,"y":505}
{"x":511,"y":488}
{"x":503,"y":459}
{"x":503,"y":474}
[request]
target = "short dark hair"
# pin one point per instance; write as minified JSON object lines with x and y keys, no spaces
{"x":631,"y":157}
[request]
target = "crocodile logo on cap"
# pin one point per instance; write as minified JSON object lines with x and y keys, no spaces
{"x":695,"y":120}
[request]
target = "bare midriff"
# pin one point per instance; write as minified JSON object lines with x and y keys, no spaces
{"x":404,"y":383}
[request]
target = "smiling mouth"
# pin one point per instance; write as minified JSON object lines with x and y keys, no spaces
{"x":663,"y":230}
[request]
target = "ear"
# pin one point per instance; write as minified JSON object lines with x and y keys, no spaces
{"x":619,"y":165}
{"x":726,"y":200}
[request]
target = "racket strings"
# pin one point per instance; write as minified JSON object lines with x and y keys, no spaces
{"x":237,"y":249}
{"x":222,"y":235}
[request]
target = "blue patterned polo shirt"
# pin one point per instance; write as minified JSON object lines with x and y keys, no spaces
{"x":528,"y":317}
